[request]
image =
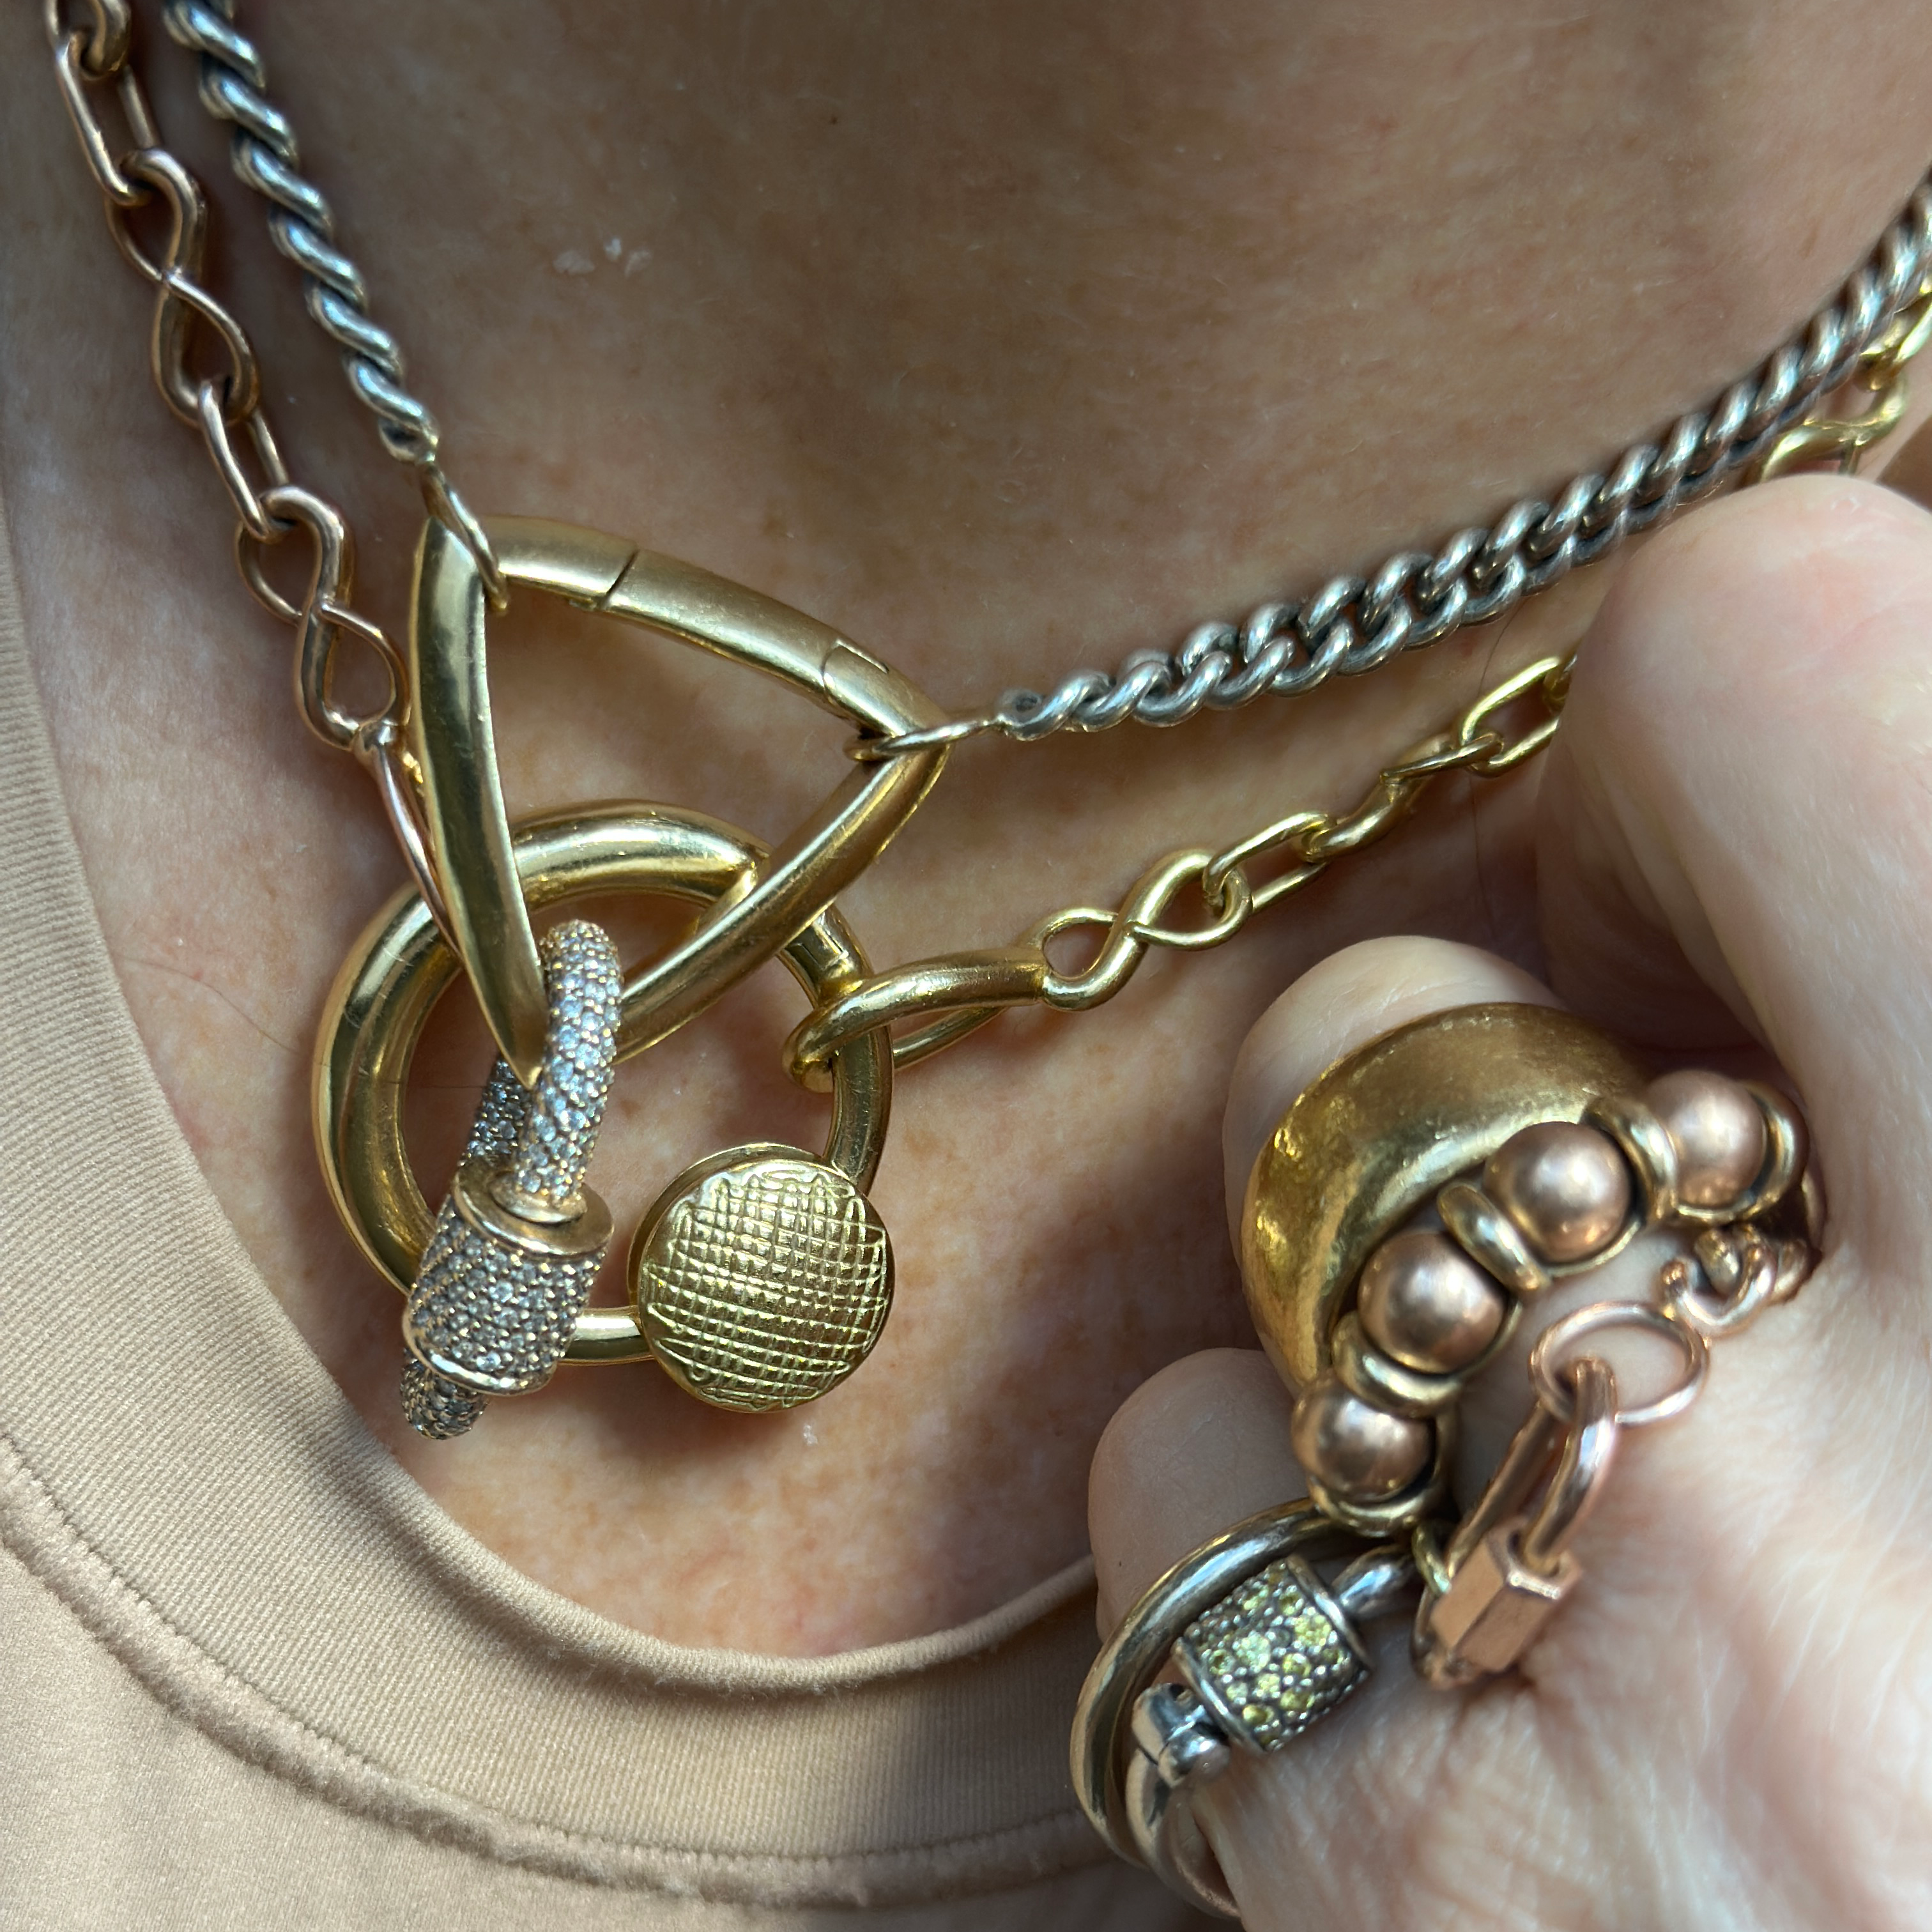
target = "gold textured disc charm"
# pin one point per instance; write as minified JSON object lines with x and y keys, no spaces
{"x":761,"y":1278}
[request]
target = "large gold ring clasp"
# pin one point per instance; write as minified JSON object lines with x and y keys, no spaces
{"x":468,"y":829}
{"x":402,"y":965}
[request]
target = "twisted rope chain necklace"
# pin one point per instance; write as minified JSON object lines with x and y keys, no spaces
{"x":762,"y":1276}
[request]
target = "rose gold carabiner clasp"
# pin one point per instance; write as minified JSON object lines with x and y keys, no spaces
{"x":1488,"y":1596}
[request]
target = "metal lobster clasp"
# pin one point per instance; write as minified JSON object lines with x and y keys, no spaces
{"x":519,"y":1240}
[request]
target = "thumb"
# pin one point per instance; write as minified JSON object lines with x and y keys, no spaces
{"x":1734,"y":841}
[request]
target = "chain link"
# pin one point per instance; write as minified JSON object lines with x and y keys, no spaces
{"x":1842,"y":441}
{"x":1763,"y":426}
{"x":1353,"y":624}
{"x":953,"y":995}
{"x":234,"y":88}
{"x":137,"y":176}
{"x":102,"y":50}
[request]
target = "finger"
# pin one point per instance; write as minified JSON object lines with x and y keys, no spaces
{"x":1349,"y":999}
{"x":1205,"y":1442}
{"x":1352,"y":1820}
{"x":1693,"y":901}
{"x":1734,"y":843}
{"x":1756,"y":684}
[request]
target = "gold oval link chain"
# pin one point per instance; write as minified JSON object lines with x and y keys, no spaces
{"x":954,"y":994}
{"x":957,"y":993}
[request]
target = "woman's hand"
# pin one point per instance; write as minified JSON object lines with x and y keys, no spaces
{"x":1729,"y":1722}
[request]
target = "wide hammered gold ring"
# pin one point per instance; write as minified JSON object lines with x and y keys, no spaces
{"x":401,"y":965}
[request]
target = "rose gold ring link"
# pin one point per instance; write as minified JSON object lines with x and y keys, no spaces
{"x":1550,"y":1372}
{"x":1488,"y":1595}
{"x":90,"y":47}
{"x":1729,"y":1279}
{"x":77,"y":85}
{"x":255,"y":521}
{"x":103,"y":39}
{"x":1489,"y":1592}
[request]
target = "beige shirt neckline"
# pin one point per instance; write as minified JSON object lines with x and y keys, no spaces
{"x":176,"y":1466}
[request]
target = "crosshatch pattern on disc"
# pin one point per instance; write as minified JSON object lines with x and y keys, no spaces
{"x":766,"y":1285}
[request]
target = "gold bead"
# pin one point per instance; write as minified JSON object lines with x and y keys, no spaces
{"x":1358,"y":1451}
{"x":1718,"y":1131}
{"x":1565,"y":1187}
{"x":1423,"y":1301}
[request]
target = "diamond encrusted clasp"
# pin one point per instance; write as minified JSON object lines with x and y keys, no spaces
{"x":1266,"y":1662}
{"x":1274,"y":1657}
{"x":519,"y":1239}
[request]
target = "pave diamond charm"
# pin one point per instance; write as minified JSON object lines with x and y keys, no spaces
{"x":1273,"y":1656}
{"x":519,"y":1241}
{"x":434,"y":1406}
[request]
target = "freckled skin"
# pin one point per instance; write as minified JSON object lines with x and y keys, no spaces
{"x":1008,"y":342}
